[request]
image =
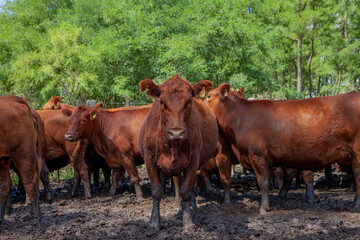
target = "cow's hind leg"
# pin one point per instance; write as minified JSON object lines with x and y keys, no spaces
{"x":26,"y":166}
{"x":107,"y":174}
{"x":5,"y":184}
{"x":44,"y":177}
{"x":177,"y":184}
{"x":116,"y":175}
{"x":261,"y":169}
{"x":308,"y":177}
{"x":289,"y":174}
{"x":76,"y":182}
{"x":130,"y":167}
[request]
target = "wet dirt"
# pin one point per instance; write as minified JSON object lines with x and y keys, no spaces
{"x":125,"y":217}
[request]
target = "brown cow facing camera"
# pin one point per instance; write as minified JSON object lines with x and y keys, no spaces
{"x":308,"y":134}
{"x":178,"y":135}
{"x":18,"y":145}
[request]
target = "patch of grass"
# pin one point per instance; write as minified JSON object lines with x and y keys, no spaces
{"x":64,"y":173}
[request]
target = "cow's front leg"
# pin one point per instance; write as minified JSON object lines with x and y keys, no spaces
{"x":156,"y":192}
{"x":187,"y":190}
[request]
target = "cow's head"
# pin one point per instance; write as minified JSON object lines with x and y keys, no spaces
{"x":81,"y":121}
{"x":222,"y":98}
{"x":52,"y":104}
{"x":175,"y":97}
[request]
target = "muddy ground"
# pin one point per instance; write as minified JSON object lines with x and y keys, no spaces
{"x":125,"y":217}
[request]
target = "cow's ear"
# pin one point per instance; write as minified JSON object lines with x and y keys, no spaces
{"x":202,"y":88}
{"x":66,"y":111}
{"x":56,"y":100}
{"x":99,"y":105}
{"x":153,"y":90}
{"x":94,"y":112}
{"x":241,"y":91}
{"x":224,"y":89}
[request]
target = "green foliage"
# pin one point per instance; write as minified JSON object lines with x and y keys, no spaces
{"x":102,"y":49}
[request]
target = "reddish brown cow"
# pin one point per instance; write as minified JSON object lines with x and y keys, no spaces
{"x":55,"y":103}
{"x":59,"y":151}
{"x":178,"y":135}
{"x":94,"y":161}
{"x":305,"y":134}
{"x":114,"y":136}
{"x":18,"y":145}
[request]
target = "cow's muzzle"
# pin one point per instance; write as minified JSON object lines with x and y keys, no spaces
{"x":70,"y":138}
{"x":176,"y":134}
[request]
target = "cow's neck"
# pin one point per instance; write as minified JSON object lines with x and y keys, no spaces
{"x":231,"y":116}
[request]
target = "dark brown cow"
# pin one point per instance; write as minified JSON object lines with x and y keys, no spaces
{"x":179,"y":135}
{"x":18,"y":145}
{"x":114,"y":136}
{"x":60,"y":152}
{"x":305,"y":134}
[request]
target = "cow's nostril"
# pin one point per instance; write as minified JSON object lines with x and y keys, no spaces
{"x":176,"y":134}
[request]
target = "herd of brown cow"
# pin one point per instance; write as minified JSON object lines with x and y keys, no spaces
{"x":181,"y":136}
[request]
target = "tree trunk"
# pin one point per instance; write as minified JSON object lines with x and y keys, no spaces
{"x":309,"y":66}
{"x":299,"y":58}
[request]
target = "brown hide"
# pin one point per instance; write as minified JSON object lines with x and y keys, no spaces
{"x":114,"y":135}
{"x":18,"y":145}
{"x":308,"y":134}
{"x":178,"y":135}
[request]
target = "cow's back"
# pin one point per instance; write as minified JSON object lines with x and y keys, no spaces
{"x":16,"y":125}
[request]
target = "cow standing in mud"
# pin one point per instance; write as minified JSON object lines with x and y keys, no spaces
{"x":308,"y":134}
{"x":18,"y":139}
{"x":178,"y":135}
{"x":114,"y":135}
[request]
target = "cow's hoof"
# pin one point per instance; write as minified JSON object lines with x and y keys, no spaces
{"x":282,"y":194}
{"x":112,"y":191}
{"x":188,"y":224}
{"x":357,"y":204}
{"x":8,"y":210}
{"x":263,"y":211}
{"x":155,"y":224}
{"x":48,"y":197}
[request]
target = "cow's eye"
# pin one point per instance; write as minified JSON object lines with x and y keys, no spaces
{"x":208,"y":96}
{"x":190,"y":101}
{"x":83,"y":121}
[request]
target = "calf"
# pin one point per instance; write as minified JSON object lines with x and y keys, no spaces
{"x":114,"y":135}
{"x":308,"y":134}
{"x":18,"y":145}
{"x":178,"y":135}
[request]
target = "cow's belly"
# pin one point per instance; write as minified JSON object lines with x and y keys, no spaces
{"x":313,"y":159}
{"x":54,"y":153}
